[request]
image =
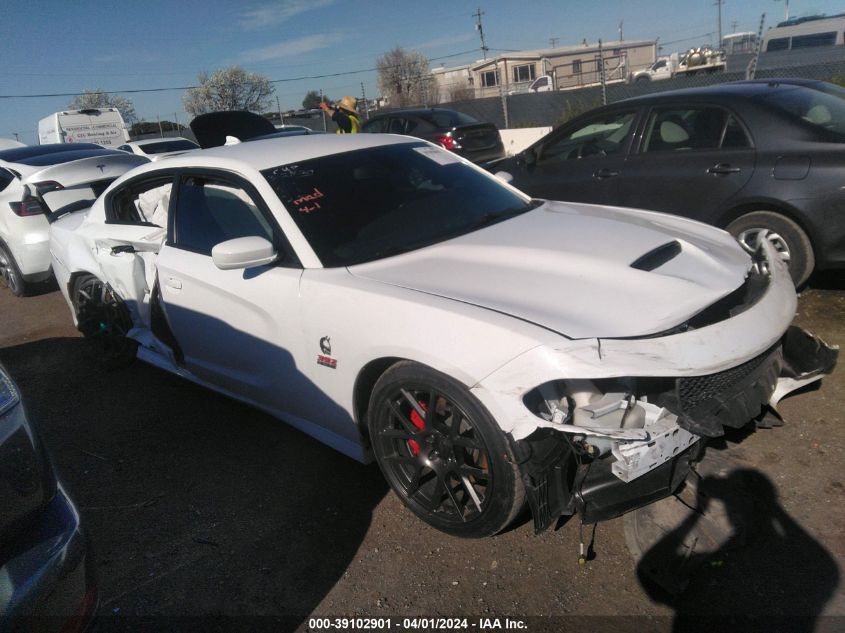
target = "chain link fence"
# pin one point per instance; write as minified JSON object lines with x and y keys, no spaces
{"x":556,"y":107}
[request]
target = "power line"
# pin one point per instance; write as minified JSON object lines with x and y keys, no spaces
{"x":272,"y":81}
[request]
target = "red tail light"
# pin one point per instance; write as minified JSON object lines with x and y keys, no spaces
{"x":26,"y":207}
{"x":30,"y":205}
{"x":447,"y":141}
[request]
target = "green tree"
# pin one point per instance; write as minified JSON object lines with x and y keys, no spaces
{"x":312,"y":100}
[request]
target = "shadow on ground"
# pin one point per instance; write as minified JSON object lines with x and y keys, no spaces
{"x":725,"y":555}
{"x":196,"y":505}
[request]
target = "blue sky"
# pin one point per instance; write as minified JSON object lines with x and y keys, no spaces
{"x":58,"y":47}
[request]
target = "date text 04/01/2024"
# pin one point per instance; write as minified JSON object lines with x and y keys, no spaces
{"x":415,"y":624}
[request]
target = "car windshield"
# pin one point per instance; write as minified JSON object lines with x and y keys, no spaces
{"x":368,"y":204}
{"x":168,"y":146}
{"x":819,"y":109}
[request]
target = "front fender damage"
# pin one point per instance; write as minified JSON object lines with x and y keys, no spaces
{"x":610,"y":446}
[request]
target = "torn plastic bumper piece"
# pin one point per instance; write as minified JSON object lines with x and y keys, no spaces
{"x":559,"y":482}
{"x":706,"y":404}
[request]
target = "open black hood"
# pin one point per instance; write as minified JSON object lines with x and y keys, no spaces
{"x":212,"y":129}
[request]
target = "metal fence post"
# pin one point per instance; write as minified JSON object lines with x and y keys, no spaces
{"x":602,"y":78}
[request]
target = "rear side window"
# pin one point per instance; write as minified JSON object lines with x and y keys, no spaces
{"x":6,"y":178}
{"x":376,"y":126}
{"x":145,"y":202}
{"x":211,"y":210}
{"x":685,"y":128}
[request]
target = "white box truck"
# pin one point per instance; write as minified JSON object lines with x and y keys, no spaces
{"x":103,"y":126}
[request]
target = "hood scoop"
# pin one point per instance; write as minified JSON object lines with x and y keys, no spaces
{"x":655,"y":258}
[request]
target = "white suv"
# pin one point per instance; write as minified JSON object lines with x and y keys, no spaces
{"x":76,"y":172}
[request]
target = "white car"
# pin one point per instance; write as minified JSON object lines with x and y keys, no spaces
{"x":158,"y":148}
{"x":394,"y":301}
{"x":28,"y":171}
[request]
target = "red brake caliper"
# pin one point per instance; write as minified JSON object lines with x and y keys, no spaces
{"x":418,"y":422}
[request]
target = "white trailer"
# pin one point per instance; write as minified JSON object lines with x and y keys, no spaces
{"x":103,"y":126}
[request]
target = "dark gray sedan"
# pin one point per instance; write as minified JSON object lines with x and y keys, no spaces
{"x":46,"y":581}
{"x":758,"y":159}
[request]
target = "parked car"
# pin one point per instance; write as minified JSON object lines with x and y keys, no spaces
{"x":26,"y":173}
{"x":46,"y":575}
{"x":456,"y":131}
{"x":157,"y":148}
{"x":757,"y":159}
{"x":395,"y":301}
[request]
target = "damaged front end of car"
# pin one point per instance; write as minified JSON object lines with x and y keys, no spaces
{"x":629,"y":434}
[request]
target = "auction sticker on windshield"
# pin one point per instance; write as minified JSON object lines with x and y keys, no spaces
{"x":439,"y":156}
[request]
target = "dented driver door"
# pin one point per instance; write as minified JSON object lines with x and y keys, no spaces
{"x":236,"y":329}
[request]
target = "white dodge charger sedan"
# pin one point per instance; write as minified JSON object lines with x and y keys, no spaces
{"x":396,"y":302}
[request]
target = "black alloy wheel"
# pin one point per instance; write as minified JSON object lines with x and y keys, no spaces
{"x":104,"y":319}
{"x":442,"y":453}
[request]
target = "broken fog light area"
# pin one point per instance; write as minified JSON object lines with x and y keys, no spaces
{"x":611,"y":419}
{"x":706,"y":404}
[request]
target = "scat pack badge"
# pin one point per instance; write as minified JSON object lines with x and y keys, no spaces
{"x":325,"y":359}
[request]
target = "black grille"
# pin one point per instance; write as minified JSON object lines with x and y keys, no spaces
{"x":696,"y":389}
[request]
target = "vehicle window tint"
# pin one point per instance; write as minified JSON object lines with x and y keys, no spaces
{"x":821,"y":110}
{"x":777,"y":44}
{"x":397,"y":126}
{"x":210,"y":211}
{"x":125,"y":148}
{"x":814,"y":39}
{"x":146,"y":202}
{"x":411,"y":126}
{"x":371,"y":203}
{"x":735,"y":136}
{"x":601,"y":136}
{"x":6,"y":177}
{"x":677,"y":129}
{"x":168,"y":146}
{"x":376,"y":126}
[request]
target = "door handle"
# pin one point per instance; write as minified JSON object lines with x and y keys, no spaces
{"x":723,"y":169}
{"x":172,"y":282}
{"x":605,"y":173}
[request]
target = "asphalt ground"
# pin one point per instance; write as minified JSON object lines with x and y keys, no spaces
{"x":206,"y":513}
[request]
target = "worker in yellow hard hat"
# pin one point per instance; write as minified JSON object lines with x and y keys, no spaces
{"x":345,"y":114}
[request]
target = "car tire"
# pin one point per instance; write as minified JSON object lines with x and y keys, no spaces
{"x":10,"y":274}
{"x":442,"y":452}
{"x":786,"y":236}
{"x":104,"y":321}
{"x":643,"y":79}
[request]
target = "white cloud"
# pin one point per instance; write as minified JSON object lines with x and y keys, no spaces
{"x":289,"y":48}
{"x":278,"y":12}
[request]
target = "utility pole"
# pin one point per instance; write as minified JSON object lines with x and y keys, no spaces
{"x":176,"y":121}
{"x":366,"y":105}
{"x":734,"y":24}
{"x":160,"y":131}
{"x":323,"y":112}
{"x":620,"y":29}
{"x":17,"y":138}
{"x":553,"y":41}
{"x":279,"y":108}
{"x":477,"y":15}
{"x":719,"y":4}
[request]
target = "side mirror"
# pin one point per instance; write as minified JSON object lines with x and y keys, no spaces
{"x":504,"y":176}
{"x":529,"y":157}
{"x":243,"y":252}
